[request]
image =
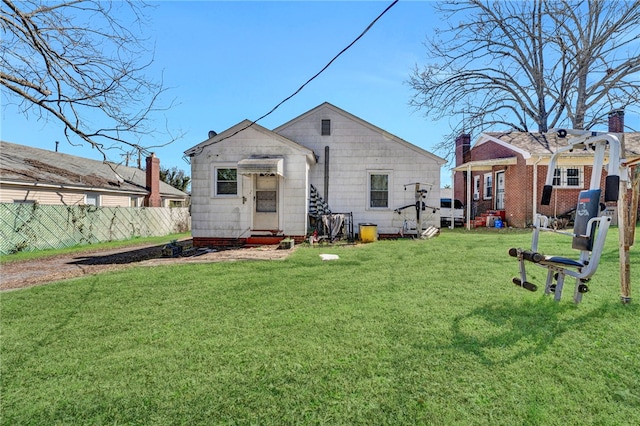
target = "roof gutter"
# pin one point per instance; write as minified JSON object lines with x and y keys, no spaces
{"x":70,"y":187}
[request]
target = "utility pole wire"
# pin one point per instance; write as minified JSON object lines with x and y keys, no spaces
{"x":307,"y":82}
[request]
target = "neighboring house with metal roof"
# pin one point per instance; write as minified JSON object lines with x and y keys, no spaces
{"x":504,"y":173}
{"x":33,"y":175}
{"x":249,"y":181}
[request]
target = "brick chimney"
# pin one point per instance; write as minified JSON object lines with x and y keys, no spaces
{"x":463,"y":155}
{"x":463,"y":146}
{"x":153,"y":182}
{"x":616,"y":121}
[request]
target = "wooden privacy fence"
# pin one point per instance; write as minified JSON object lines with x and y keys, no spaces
{"x":28,"y":227}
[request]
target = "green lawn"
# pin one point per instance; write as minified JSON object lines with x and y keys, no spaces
{"x":394,"y":332}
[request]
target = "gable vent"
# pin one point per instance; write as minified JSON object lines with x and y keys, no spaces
{"x":326,"y":128}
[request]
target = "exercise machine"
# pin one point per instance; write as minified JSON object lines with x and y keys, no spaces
{"x":590,"y":225}
{"x":420,"y":206}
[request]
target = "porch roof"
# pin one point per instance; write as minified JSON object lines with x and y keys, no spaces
{"x":486,"y":164}
{"x":252,"y":166}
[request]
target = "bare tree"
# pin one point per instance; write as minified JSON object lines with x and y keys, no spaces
{"x":82,"y":63}
{"x":529,"y":65}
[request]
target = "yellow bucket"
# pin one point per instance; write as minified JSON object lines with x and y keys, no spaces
{"x":368,"y":232}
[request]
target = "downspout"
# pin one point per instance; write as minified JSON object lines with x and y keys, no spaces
{"x":535,"y":189}
{"x":326,"y":174}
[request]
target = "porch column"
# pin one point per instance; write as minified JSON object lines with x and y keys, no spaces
{"x":468,"y":197}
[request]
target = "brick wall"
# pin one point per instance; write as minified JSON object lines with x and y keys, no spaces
{"x":460,"y":186}
{"x":519,"y":194}
{"x":490,"y":151}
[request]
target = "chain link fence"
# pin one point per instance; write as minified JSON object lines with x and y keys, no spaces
{"x":29,"y":227}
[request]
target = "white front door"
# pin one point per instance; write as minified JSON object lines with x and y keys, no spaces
{"x":265,"y":215}
{"x":500,"y":191}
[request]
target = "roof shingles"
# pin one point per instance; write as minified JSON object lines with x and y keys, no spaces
{"x":28,"y":165}
{"x":541,"y":144}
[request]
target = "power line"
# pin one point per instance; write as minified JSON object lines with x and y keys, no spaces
{"x":306,"y":82}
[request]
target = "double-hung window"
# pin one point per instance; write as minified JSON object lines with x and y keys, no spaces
{"x":476,"y":187}
{"x":488,"y":186}
{"x":135,"y":201}
{"x":568,"y":177}
{"x":378,"y":190}
{"x":226,"y":181}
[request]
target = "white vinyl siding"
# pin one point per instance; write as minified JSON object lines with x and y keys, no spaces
{"x":231,"y":216}
{"x":356,"y":150}
{"x":9,"y":195}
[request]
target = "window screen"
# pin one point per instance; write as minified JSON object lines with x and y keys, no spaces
{"x":379,"y":192}
{"x":226,"y":181}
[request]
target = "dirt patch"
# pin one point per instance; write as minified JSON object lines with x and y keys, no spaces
{"x":21,"y":274}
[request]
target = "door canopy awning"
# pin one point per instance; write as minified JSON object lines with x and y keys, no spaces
{"x":259,"y":166}
{"x":486,"y":164}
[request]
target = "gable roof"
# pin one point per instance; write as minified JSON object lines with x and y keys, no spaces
{"x":20,"y":164}
{"x":242,"y":126}
{"x":545,"y":144}
{"x":364,"y":123}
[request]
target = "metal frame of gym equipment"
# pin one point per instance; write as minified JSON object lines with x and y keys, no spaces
{"x":590,"y":228}
{"x":420,"y":194}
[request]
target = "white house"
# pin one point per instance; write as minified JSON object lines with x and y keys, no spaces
{"x":249,"y":180}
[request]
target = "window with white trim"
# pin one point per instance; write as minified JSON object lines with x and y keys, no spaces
{"x":476,"y":187}
{"x":568,"y":177}
{"x":488,"y":186}
{"x":135,"y":201}
{"x":92,"y":199}
{"x":226,"y":181}
{"x":378,"y":190}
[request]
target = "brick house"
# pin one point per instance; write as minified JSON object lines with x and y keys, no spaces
{"x":504,"y":173}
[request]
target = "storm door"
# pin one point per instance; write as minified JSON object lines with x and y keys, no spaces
{"x":500,"y":191}
{"x":265,"y":215}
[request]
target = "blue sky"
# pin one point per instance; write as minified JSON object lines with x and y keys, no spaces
{"x":224,"y":62}
{"x":227,"y":61}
